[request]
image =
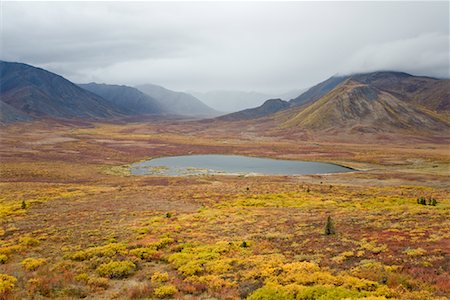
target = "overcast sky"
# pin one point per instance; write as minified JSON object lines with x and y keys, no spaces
{"x":261,"y":46}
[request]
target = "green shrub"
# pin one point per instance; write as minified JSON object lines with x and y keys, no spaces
{"x":116,"y":269}
{"x":271,"y":293}
{"x":326,"y":293}
{"x":423,"y":201}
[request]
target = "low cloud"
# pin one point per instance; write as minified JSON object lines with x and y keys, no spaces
{"x":425,"y":54}
{"x":263,"y":46}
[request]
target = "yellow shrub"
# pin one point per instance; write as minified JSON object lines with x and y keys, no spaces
{"x":159,"y":277}
{"x":358,"y":284}
{"x":116,"y":269}
{"x":3,"y":258}
{"x":83,"y":277}
{"x":10,"y":249}
{"x":145,"y":253}
{"x":7,"y":284}
{"x":28,"y":241}
{"x":415,"y":252}
{"x":108,"y":250}
{"x":165,"y":291}
{"x":32,"y":264}
{"x":343,"y":256}
{"x":98,"y":282}
{"x":214,"y":282}
{"x":164,"y":242}
{"x":372,"y":246}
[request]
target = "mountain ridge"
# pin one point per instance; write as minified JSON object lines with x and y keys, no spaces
{"x":177,"y":102}
{"x":129,"y":99}
{"x":353,"y":105}
{"x":38,"y":93}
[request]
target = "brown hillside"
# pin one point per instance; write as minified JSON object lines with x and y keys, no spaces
{"x":356,"y":106}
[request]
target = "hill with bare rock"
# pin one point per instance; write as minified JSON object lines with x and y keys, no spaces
{"x":360,"y":103}
{"x":428,"y":92}
{"x":360,"y":107}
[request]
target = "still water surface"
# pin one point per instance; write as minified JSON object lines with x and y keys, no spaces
{"x":230,"y":164}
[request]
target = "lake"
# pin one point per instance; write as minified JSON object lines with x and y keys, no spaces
{"x":211,"y":164}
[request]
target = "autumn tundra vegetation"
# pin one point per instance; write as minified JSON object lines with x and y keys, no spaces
{"x":76,"y":224}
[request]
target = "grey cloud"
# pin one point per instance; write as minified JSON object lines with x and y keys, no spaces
{"x":263,"y":46}
{"x":425,"y":54}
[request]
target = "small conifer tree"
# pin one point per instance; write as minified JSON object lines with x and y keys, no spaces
{"x":329,"y":227}
{"x":24,"y":204}
{"x":433,"y":202}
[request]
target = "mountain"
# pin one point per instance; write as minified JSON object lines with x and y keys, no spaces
{"x":291,"y":94}
{"x":232,"y":101}
{"x":309,"y":95}
{"x":177,"y":102}
{"x":425,"y":94}
{"x":428,"y":92}
{"x":9,"y":114}
{"x":27,"y":92}
{"x":129,"y":100}
{"x":361,"y":107}
{"x":268,"y":107}
{"x":318,"y":90}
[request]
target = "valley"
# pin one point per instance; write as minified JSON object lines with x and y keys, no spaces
{"x":209,"y":150}
{"x":94,"y":231}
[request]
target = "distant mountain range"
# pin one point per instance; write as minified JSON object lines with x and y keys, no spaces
{"x":131,"y":101}
{"x":232,"y":101}
{"x":367,"y":102}
{"x":361,"y":102}
{"x":177,"y":102}
{"x":28,"y":93}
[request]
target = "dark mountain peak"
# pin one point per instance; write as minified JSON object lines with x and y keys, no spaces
{"x":318,"y":90}
{"x":35,"y":92}
{"x":274,"y":102}
{"x":268,"y":107}
{"x":130,"y":100}
{"x":381,"y":76}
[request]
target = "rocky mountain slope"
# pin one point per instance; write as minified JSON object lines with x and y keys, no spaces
{"x":361,"y":107}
